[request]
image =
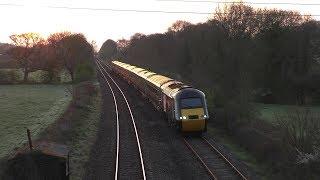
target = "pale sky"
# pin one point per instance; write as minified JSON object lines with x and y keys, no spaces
{"x":100,"y":25}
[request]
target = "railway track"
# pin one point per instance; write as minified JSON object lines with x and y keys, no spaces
{"x":215,"y":163}
{"x":129,"y":163}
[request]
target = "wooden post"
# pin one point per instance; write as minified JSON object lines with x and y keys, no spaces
{"x":29,"y":139}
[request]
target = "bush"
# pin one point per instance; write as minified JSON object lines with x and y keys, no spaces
{"x":301,"y":129}
{"x":301,"y":132}
{"x":39,"y":76}
{"x":8,"y":76}
{"x":82,"y":93}
{"x":84,"y":72}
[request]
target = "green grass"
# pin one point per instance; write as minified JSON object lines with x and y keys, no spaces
{"x":85,"y":129}
{"x":268,"y":111}
{"x":28,"y":106}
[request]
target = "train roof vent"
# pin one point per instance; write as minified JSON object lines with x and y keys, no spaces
{"x":175,"y":85}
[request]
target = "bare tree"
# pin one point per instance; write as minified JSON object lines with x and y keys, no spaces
{"x":25,"y":45}
{"x":179,"y":26}
{"x":56,"y":53}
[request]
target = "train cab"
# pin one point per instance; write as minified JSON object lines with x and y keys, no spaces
{"x":191,"y":111}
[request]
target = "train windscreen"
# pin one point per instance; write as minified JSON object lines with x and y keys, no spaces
{"x":190,"y":103}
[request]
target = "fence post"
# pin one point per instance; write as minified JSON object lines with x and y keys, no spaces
{"x":29,"y":139}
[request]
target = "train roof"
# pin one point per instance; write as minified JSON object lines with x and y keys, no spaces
{"x":171,"y":87}
{"x":148,"y":74}
{"x":137,"y":70}
{"x":158,"y":80}
{"x":167,"y":85}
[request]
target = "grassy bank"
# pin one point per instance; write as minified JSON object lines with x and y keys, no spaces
{"x":83,"y":135}
{"x":268,"y":111}
{"x":78,"y":127}
{"x":28,"y":106}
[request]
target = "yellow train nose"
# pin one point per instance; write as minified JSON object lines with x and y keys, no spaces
{"x":192,"y":120}
{"x":193,"y":125}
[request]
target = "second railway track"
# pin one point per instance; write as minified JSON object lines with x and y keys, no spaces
{"x":129,"y":163}
{"x":216,"y":164}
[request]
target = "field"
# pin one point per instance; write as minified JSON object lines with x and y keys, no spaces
{"x":28,"y":106}
{"x":268,"y":111}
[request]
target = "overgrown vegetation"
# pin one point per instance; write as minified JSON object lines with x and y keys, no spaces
{"x":301,"y":140}
{"x":83,"y":134}
{"x":84,"y":72}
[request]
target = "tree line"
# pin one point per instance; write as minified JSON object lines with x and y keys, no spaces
{"x":60,"y":51}
{"x":241,"y":54}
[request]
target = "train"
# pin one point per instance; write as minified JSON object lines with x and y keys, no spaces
{"x":184,"y":107}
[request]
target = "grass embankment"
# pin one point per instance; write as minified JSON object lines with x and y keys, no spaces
{"x":268,"y":112}
{"x":78,"y":127}
{"x":83,"y":135}
{"x":28,"y":106}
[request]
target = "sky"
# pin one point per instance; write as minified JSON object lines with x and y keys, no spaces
{"x":100,"y":24}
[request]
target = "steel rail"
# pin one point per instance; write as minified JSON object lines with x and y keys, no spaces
{"x":200,"y":159}
{"x":224,"y":158}
{"x":117,"y":118}
{"x":132,"y":118}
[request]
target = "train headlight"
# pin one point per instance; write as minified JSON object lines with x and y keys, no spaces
{"x":183,"y":117}
{"x":204,"y":116}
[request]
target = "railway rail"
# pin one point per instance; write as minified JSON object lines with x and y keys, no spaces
{"x":129,"y":161}
{"x":216,"y":164}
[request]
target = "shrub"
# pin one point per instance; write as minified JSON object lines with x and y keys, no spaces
{"x":84,"y":72}
{"x":8,"y":76}
{"x":301,"y":132}
{"x":39,"y":76}
{"x":301,"y":129}
{"x":82,"y":93}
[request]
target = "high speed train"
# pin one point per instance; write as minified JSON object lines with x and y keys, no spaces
{"x":183,"y":106}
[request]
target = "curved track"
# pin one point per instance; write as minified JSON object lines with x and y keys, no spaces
{"x":129,"y":161}
{"x":216,"y":164}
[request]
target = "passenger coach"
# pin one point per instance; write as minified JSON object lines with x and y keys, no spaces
{"x":184,"y":106}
